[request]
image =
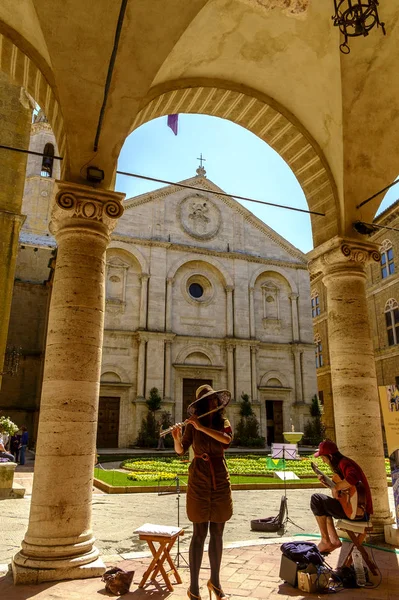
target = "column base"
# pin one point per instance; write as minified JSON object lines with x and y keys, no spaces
{"x":392,"y":535}
{"x":28,"y":571}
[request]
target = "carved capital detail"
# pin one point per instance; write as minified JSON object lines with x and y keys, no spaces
{"x":77,"y":205}
{"x":360,"y":254}
{"x":343,"y":254}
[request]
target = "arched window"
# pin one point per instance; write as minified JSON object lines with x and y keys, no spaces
{"x":315,"y":304}
{"x":318,"y":351}
{"x":387,"y":262}
{"x":47,"y":162}
{"x":392,"y":321}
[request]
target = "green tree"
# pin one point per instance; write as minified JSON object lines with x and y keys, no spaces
{"x":247,"y":431}
{"x":149,"y":430}
{"x":314,"y":430}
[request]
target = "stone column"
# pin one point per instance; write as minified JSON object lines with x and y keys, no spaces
{"x":353,"y":374}
{"x":141,"y":368}
{"x":169,"y":289}
{"x":59,"y":542}
{"x":229,"y":311}
{"x":254,"y":374}
{"x":230,"y":369}
{"x":15,"y":124}
{"x":143,"y":300}
{"x":252,"y":331}
{"x":294,"y":317}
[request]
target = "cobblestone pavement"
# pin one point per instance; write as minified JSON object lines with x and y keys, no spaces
{"x":247,"y":572}
{"x":251,"y":559}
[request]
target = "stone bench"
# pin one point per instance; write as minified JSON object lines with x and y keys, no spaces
{"x":9,"y":489}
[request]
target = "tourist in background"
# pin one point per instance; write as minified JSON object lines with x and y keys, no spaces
{"x":23,"y":445}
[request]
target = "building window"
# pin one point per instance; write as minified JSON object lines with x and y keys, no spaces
{"x":196,"y":290}
{"x":387,"y":262}
{"x":318,"y":351}
{"x":271,"y":305}
{"x":392,"y":321}
{"x":47,"y":162}
{"x":321,"y":397}
{"x":315,"y":305}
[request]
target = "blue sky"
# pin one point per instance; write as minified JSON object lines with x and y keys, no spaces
{"x":236,"y":160}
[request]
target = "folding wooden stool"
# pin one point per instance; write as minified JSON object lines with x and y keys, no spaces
{"x":357,"y":531}
{"x":166,"y":538}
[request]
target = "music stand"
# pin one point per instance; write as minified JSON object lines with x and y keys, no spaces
{"x":167,"y":492}
{"x":286,"y":453}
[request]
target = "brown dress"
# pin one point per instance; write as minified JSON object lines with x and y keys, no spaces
{"x":208,"y":495}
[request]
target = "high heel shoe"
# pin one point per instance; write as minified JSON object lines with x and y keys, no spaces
{"x":193,"y":596}
{"x":220,"y":595}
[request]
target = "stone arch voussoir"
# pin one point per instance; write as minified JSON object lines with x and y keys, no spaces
{"x":21,"y":70}
{"x":264,"y":117}
{"x":195,"y":348}
{"x":210,"y":260}
{"x":274,"y":269}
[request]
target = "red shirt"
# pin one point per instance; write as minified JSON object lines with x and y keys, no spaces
{"x":353,"y":474}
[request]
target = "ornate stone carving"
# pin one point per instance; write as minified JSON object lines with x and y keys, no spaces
{"x":199,"y":217}
{"x":360,"y":255}
{"x":73,"y":201}
{"x":341,"y":253}
{"x":290,"y":7}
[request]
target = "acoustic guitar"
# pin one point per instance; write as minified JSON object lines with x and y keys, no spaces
{"x":352,"y":500}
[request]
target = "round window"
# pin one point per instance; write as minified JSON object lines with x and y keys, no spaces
{"x":196,"y":290}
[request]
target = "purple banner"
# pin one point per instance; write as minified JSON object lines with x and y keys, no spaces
{"x":173,"y":123}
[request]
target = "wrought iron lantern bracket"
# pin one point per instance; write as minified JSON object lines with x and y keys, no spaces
{"x":355,"y":18}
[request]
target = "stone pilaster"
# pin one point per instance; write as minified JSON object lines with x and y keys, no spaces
{"x":15,"y":123}
{"x":254,"y":374}
{"x":143,"y":300}
{"x":294,"y":317}
{"x":298,"y":374}
{"x":252,"y":330}
{"x":354,"y":384}
{"x":169,"y":290}
{"x":230,"y":369}
{"x":142,"y":342}
{"x":59,"y":542}
{"x":168,"y":368}
{"x":229,"y":311}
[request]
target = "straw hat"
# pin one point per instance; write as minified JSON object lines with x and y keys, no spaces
{"x":224,"y":397}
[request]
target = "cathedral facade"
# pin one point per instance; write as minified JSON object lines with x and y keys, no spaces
{"x":198,"y":290}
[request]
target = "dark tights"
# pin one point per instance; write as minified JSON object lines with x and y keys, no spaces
{"x":196,"y":551}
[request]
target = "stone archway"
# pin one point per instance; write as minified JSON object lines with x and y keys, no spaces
{"x":264,"y":117}
{"x":22,"y":71}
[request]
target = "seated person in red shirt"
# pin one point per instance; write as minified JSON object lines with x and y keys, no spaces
{"x":325,"y":508}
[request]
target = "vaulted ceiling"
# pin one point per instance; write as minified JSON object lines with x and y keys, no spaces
{"x":283,"y":53}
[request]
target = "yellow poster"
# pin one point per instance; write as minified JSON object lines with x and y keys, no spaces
{"x":389,"y":398}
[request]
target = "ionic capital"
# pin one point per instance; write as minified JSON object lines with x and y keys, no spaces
{"x":342,"y":254}
{"x":77,"y":206}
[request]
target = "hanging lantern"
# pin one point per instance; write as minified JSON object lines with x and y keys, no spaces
{"x":354,"y":18}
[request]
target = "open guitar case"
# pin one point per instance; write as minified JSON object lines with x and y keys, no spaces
{"x":271,"y":523}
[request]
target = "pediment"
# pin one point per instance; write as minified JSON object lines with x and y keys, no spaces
{"x":202,"y":212}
